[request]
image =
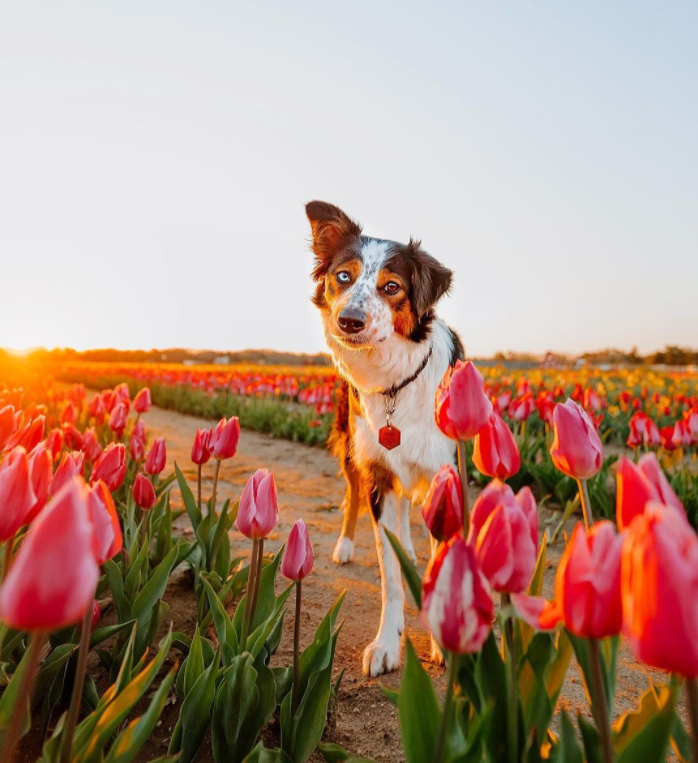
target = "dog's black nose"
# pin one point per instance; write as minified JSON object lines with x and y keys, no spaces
{"x":351,"y":320}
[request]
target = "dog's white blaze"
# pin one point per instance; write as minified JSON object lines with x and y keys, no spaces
{"x":364,"y":293}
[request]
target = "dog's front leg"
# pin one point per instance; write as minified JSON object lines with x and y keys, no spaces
{"x":384,"y":653}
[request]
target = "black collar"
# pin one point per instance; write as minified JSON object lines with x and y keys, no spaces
{"x":391,"y":392}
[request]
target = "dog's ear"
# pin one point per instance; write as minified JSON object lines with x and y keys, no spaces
{"x":430,"y":279}
{"x":331,"y":228}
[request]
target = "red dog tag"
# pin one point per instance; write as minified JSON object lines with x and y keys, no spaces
{"x":389,"y":437}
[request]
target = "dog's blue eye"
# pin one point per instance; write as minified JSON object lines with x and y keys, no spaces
{"x":343,"y":276}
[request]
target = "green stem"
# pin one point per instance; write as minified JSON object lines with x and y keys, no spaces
{"x":257,"y":580}
{"x":463,"y":473}
{"x":215,"y":487}
{"x":78,"y":684}
{"x":7,"y":557}
{"x":246,"y":617}
{"x":296,"y":651}
{"x":598,"y":699}
{"x":512,"y":685}
{"x":692,"y":694}
{"x":14,"y":728}
{"x":586,"y":504}
{"x":440,"y":750}
{"x":199,"y":487}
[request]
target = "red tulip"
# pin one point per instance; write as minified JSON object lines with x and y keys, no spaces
{"x":136,"y":445}
{"x":8,"y":424}
{"x":496,"y":453}
{"x":122,"y":394}
{"x":667,"y":436}
{"x":68,"y":414}
{"x":17,"y":498}
{"x":73,"y":437}
{"x":659,"y":583}
{"x":224,"y":438}
{"x":461,"y":406}
{"x":643,"y":431}
{"x":258,"y":511}
{"x":96,"y":409}
{"x":118,"y":418}
{"x":142,"y":401}
{"x":637,"y":485}
{"x":298,"y":556}
{"x":96,"y":614}
{"x":504,"y":534}
{"x":91,"y":446}
{"x":40,"y":474}
{"x":53,"y":578}
{"x":576,"y":449}
{"x":442,"y":509}
{"x":456,"y":605}
{"x":591,"y":402}
{"x":682,"y":434}
{"x":28,"y":436}
{"x":522,"y":407}
{"x":54,"y":442}
{"x":200,"y":451}
{"x":71,"y":465}
{"x":108,"y":540}
{"x":157,"y":457}
{"x":110,"y":466}
{"x":144,"y":492}
{"x":690,"y":416}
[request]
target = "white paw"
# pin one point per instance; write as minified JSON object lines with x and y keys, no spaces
{"x":344,"y":550}
{"x":436,"y":655}
{"x":383,"y":655}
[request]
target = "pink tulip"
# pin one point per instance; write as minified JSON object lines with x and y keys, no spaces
{"x":17,"y":498}
{"x":28,"y":436}
{"x":71,"y":465}
{"x":504,"y":534}
{"x":298,"y":555}
{"x":659,"y":583}
{"x":91,"y":446}
{"x":107,"y":537}
{"x":496,"y":453}
{"x":576,"y":449}
{"x":224,"y":438}
{"x":144,"y":492}
{"x":53,"y":578}
{"x":456,"y":605}
{"x":442,"y":509}
{"x":461,"y":406}
{"x":117,"y":419}
{"x":637,"y":485}
{"x":8,"y":424}
{"x":142,"y":401}
{"x":110,"y":466}
{"x":258,"y":511}
{"x":54,"y":442}
{"x":40,"y":473}
{"x":157,"y":457}
{"x":200,"y":449}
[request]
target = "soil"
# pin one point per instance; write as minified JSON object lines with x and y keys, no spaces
{"x":364,"y":721}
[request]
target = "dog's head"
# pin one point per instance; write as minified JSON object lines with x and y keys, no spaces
{"x":370,"y":289}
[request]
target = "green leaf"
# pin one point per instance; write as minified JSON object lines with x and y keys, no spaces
{"x":10,"y":697}
{"x":193,"y":666}
{"x":412,"y":577}
{"x":188,"y":499}
{"x":266,"y":597}
{"x":155,"y":587}
{"x":116,"y":586}
{"x":261,"y":755}
{"x":568,"y":750}
{"x":102,"y":634}
{"x":418,"y":709}
{"x":227,"y":636}
{"x":642,"y":735}
{"x":130,"y":741}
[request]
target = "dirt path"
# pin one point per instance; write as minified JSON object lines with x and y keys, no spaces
{"x":309,"y":488}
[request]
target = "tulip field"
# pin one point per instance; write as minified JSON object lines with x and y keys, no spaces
{"x":154,"y":609}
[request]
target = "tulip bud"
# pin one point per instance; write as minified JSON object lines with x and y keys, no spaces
{"x":28,"y":436}
{"x":224,"y":438}
{"x":17,"y":498}
{"x":144,"y":492}
{"x":71,"y":465}
{"x":53,"y":578}
{"x":91,"y":446}
{"x":443,"y":505}
{"x":157,"y":457}
{"x":504,"y":534}
{"x":73,"y":437}
{"x":110,"y":466}
{"x":54,"y":442}
{"x":456,"y":605}
{"x":496,"y":453}
{"x":200,"y":450}
{"x":258,"y":511}
{"x":142,"y":401}
{"x":298,"y":555}
{"x":7,"y":424}
{"x":68,"y":414}
{"x":107,"y":537}
{"x":576,"y":450}
{"x":117,"y":419}
{"x":136,"y":446}
{"x":40,"y":473}
{"x":659,"y":580}
{"x":461,"y":406}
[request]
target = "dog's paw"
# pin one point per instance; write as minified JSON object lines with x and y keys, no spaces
{"x":383,"y":655}
{"x":436,"y":656}
{"x":344,"y":550}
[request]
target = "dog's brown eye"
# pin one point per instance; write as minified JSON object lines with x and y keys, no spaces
{"x":391,"y":287}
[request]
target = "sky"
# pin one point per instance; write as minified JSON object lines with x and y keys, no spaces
{"x":156,"y":156}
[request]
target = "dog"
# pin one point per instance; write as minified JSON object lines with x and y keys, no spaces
{"x":377,"y":300}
